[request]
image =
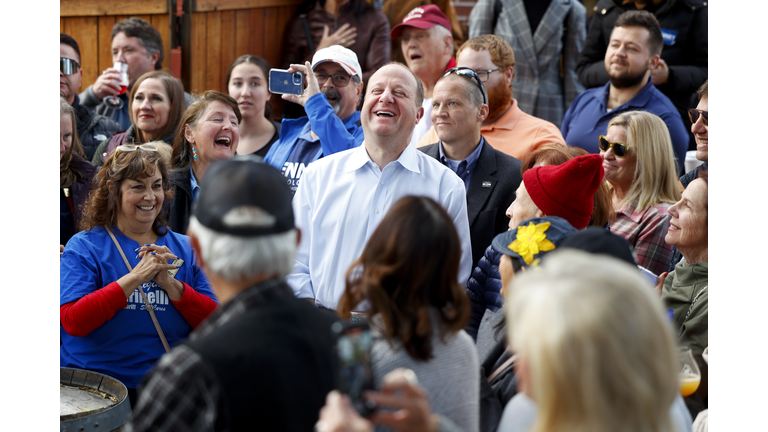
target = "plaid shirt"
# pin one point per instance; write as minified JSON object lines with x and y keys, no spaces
{"x":182,"y":392}
{"x":539,"y":88}
{"x":645,"y":231}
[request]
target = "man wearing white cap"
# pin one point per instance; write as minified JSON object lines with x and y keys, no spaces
{"x":332,"y":123}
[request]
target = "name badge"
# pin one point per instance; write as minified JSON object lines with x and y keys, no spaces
{"x":669,"y":36}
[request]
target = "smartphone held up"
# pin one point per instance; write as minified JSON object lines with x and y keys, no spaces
{"x":283,"y":82}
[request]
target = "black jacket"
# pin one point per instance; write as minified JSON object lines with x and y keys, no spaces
{"x":180,"y":207}
{"x":686,"y":58}
{"x":491,"y":191}
{"x":275,"y":363}
{"x":79,"y":191}
{"x":92,"y":128}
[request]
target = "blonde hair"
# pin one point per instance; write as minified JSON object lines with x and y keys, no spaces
{"x":601,"y":354}
{"x":655,"y":180}
{"x":165,"y":150}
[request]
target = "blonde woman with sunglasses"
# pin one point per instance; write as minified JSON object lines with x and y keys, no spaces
{"x":639,"y":164}
{"x":125,"y":264}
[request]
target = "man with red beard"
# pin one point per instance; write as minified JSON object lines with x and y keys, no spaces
{"x":632,"y":55}
{"x":507,"y":128}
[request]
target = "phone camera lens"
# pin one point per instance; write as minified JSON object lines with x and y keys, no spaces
{"x":297,"y":78}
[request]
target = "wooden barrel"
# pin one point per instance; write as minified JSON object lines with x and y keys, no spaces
{"x":90,"y":401}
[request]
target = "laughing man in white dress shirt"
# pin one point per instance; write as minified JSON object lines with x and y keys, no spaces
{"x":342,"y":198}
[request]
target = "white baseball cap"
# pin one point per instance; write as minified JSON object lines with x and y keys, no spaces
{"x":346,"y":58}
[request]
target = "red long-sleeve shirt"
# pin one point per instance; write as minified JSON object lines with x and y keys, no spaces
{"x":86,"y":314}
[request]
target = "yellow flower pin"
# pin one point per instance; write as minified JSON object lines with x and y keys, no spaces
{"x":531,"y":240}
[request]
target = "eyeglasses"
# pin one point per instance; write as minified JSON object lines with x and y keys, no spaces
{"x":619,"y":149}
{"x":693,"y":114}
{"x":133,"y":147}
{"x":467,"y":72}
{"x":484,"y":74}
{"x":338,"y":80}
{"x":67,"y":66}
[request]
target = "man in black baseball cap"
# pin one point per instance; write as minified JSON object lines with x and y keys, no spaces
{"x":265,"y":358}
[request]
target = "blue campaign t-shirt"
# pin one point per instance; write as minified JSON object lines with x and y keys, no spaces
{"x":304,"y":152}
{"x":127,"y":345}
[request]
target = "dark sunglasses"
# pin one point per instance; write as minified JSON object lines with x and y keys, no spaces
{"x":467,"y":72}
{"x":693,"y":114}
{"x":619,"y":149}
{"x":338,"y":80}
{"x":68,"y":66}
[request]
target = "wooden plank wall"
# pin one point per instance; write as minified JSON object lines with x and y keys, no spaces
{"x":218,"y":38}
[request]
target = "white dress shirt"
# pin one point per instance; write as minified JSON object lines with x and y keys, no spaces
{"x":424,"y":125}
{"x":341,"y":200}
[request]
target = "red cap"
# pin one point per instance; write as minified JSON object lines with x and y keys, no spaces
{"x":566,"y":190}
{"x":422,"y":17}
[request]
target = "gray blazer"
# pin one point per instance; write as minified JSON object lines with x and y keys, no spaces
{"x":491,"y":191}
{"x":538,"y":87}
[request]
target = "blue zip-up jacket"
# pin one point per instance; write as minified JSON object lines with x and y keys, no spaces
{"x":335,"y":135}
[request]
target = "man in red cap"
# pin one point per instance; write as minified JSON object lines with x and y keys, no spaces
{"x":427,"y":46}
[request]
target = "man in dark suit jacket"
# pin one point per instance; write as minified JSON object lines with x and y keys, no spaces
{"x":460,"y":105}
{"x":264,"y":360}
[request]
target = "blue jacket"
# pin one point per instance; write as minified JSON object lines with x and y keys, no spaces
{"x":335,"y":135}
{"x":587,"y":118}
{"x":484,"y":289}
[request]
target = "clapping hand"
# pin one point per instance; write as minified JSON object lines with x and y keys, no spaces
{"x":161,"y":255}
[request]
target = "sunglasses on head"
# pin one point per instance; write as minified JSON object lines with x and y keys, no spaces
{"x":133,"y":147}
{"x":467,"y":72}
{"x":619,"y":149}
{"x":67,"y":66}
{"x":693,"y":114}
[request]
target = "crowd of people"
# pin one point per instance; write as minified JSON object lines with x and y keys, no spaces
{"x":527,"y":261}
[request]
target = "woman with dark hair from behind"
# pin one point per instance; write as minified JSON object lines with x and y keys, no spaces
{"x":353,"y":24}
{"x":75,"y":175}
{"x":408,"y":275}
{"x":248,"y":84}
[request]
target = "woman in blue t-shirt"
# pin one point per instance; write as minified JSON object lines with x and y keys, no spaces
{"x":125,"y":263}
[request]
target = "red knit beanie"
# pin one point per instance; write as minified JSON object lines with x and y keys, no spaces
{"x":566,"y":190}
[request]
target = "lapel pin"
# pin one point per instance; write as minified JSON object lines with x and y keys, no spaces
{"x":486,"y":184}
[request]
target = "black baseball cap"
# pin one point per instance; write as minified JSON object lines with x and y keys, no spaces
{"x":257,"y":189}
{"x":598,"y":240}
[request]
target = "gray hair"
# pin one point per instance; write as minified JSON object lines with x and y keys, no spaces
{"x":441,"y":32}
{"x":236,"y":258}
